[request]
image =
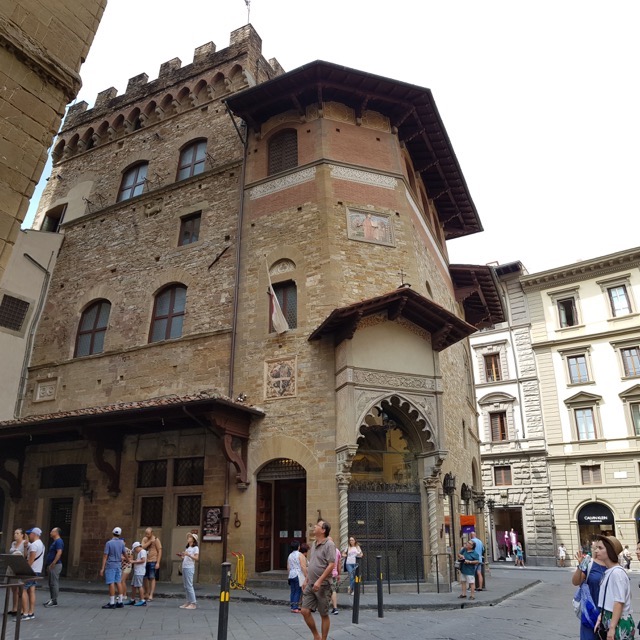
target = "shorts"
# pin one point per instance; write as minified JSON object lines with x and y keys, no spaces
{"x":151,"y":571}
{"x":32,"y":583}
{"x":137,"y":580}
{"x":112,"y":576}
{"x":479,"y":568}
{"x":319,"y":601}
{"x":335,"y":584}
{"x":469,"y":579}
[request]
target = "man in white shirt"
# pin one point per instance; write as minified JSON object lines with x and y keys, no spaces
{"x":35,"y":558}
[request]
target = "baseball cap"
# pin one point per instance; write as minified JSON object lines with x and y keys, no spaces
{"x":135,"y":545}
{"x":117,"y":531}
{"x":35,"y":530}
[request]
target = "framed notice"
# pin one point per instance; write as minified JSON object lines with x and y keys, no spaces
{"x":212,"y":524}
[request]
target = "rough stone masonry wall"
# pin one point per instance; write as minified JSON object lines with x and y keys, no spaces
{"x":42,"y":45}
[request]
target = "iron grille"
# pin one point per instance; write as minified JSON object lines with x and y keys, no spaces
{"x":13,"y":311}
{"x":152,"y":473}
{"x":62,"y":476}
{"x":287,"y":295}
{"x":282,"y":469}
{"x":283,"y":151}
{"x":189,"y":509}
{"x":188,"y":471}
{"x":151,"y":512}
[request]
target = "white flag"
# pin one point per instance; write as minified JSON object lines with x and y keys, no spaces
{"x":278,"y":321}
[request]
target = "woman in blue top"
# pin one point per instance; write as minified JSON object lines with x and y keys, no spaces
{"x":591,"y":571}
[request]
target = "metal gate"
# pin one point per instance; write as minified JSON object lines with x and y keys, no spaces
{"x":388,"y":523}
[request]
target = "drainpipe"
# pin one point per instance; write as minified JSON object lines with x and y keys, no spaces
{"x":32,"y":330}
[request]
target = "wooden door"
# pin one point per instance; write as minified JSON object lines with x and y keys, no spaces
{"x":61,"y":515}
{"x":289,"y":518}
{"x":263,"y":526}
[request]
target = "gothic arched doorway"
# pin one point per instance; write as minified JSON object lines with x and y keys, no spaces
{"x":281,"y":512}
{"x":384,"y":495}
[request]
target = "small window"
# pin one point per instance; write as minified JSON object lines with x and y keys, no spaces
{"x":283,"y":151}
{"x":133,"y":181}
{"x":189,"y":511}
{"x":13,"y":312}
{"x":634,"y":408}
{"x":287,"y":295}
{"x":190,"y":228}
{"x":631,"y":361}
{"x":492,"y":367}
{"x":591,"y":474}
{"x":168,"y":313}
{"x":92,"y":329}
{"x":585,"y":423}
{"x":188,"y":472}
{"x":502,"y":475}
{"x":578,"y":372}
{"x":567,"y":311}
{"x":499,"y":429}
{"x":192,"y":160}
{"x":62,"y":476}
{"x":152,"y":473}
{"x":151,"y":512}
{"x":619,"y":300}
{"x":53,"y":219}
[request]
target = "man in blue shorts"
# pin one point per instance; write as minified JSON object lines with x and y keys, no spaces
{"x":112,"y":569}
{"x":479,"y":549}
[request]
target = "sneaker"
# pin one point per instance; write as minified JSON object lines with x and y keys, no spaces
{"x":119,"y":605}
{"x":51,"y":603}
{"x":108,"y":606}
{"x":27,"y":616}
{"x":130,"y":602}
{"x":335,"y":612}
{"x":140,"y":603}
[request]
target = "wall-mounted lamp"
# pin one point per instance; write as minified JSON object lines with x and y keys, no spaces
{"x":449,"y":484}
{"x":466,"y":493}
{"x":479,"y":501}
{"x":87,"y":492}
{"x":491,"y":505}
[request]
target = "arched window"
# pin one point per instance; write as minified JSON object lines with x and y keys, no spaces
{"x":192,"y":159}
{"x":283,"y":151}
{"x":92,"y":329}
{"x":133,"y":181}
{"x":287,"y":295}
{"x":168,"y":313}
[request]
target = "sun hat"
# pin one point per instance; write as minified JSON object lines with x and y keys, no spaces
{"x":611,"y":542}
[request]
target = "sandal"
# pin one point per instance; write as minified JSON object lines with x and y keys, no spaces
{"x":461,"y":596}
{"x":472,"y":598}
{"x":191,"y":606}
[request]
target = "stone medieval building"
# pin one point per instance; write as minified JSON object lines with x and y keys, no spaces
{"x":163,"y":385}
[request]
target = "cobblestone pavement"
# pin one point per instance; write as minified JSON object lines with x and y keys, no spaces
{"x":538,"y":612}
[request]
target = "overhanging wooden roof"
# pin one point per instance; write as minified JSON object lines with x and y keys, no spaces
{"x":445,"y":327}
{"x":477,"y":288}
{"x":411,"y":110}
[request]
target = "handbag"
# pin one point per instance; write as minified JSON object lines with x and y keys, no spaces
{"x":301,"y":578}
{"x":456,"y":564}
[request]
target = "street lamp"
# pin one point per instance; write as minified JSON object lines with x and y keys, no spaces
{"x":479,"y":502}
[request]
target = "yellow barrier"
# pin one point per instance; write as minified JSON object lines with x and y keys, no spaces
{"x":239,"y":579}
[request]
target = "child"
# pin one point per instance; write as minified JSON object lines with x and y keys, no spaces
{"x":139,"y":567}
{"x":519,"y":556}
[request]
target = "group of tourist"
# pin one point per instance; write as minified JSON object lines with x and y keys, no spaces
{"x":29,"y":545}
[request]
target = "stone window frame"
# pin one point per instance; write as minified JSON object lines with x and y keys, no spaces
{"x":195,"y":162}
{"x":171,"y":313}
{"x":491,"y":348}
{"x":592,"y":477}
{"x":631,"y":402}
{"x":138,"y":182}
{"x":498,"y":403}
{"x":94,"y":330}
{"x":566,"y":354}
{"x":565,"y":294}
{"x":623,"y":280}
{"x":283,"y":266}
{"x":27,"y":316}
{"x":582,"y":401}
{"x":618,"y":347}
{"x":495,"y":475}
{"x":288,"y":288}
{"x":185,"y":221}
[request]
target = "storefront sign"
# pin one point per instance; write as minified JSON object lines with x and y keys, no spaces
{"x":595,"y":513}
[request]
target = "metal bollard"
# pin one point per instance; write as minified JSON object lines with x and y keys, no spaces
{"x":223,"y":613}
{"x":379,"y":584}
{"x":356,"y":596}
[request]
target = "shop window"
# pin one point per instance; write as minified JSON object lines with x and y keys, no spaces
{"x":502,"y":475}
{"x":189,"y":511}
{"x":92,"y":329}
{"x":192,"y":159}
{"x":152,"y":473}
{"x":188,"y":472}
{"x":168,"y":313}
{"x":283,"y":151}
{"x":133,"y":181}
{"x":151,"y":511}
{"x":190,"y":228}
{"x":591,"y":474}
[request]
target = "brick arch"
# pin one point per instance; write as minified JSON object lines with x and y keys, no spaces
{"x":97,"y":292}
{"x":280,"y":446}
{"x":199,"y":92}
{"x":174,"y":275}
{"x":58,"y":150}
{"x":218,"y":85}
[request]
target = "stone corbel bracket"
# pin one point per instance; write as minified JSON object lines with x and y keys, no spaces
{"x":110,"y":471}
{"x":234,"y":436}
{"x":14,"y":480}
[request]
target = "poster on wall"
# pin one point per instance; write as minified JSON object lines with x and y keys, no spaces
{"x":212,"y":524}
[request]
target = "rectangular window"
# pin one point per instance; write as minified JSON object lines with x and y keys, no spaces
{"x":188,"y":472}
{"x":13,"y":311}
{"x":502,"y":476}
{"x":631,"y":361}
{"x":578,"y":371}
{"x":189,"y":510}
{"x":585,"y":423}
{"x":619,"y":300}
{"x":151,"y":512}
{"x":567,"y":311}
{"x":62,"y":476}
{"x":152,"y":473}
{"x":499,"y":426}
{"x":190,"y":229}
{"x":634,"y":407}
{"x":287,"y":295}
{"x":492,"y":367}
{"x":591,"y":474}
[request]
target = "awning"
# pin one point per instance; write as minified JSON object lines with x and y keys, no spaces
{"x":596,"y":513}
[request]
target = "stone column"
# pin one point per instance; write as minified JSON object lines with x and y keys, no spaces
{"x":343,"y":496}
{"x":432,"y":485}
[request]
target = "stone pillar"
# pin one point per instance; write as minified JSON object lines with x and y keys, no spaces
{"x":432,"y":485}
{"x":343,"y":497}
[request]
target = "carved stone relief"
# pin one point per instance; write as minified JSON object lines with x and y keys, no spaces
{"x":280,"y":378}
{"x":364,"y":177}
{"x":279,"y":184}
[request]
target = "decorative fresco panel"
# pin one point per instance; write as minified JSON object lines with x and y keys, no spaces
{"x":367,"y":226}
{"x":280,"y":378}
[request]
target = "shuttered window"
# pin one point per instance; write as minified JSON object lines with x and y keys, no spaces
{"x":283,"y":151}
